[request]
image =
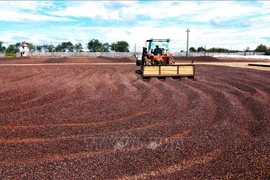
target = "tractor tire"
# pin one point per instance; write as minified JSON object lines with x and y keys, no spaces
{"x":171,"y":60}
{"x":158,"y":62}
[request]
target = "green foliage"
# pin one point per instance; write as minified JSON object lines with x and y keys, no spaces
{"x":192,"y":49}
{"x":2,"y":48}
{"x":31,"y":46}
{"x":39,"y":48}
{"x":63,"y":47}
{"x":106,"y":47}
{"x":19,"y":43}
{"x":45,"y":48}
{"x":58,"y":48}
{"x":113,"y":46}
{"x":201,"y":49}
{"x":221,"y":50}
{"x":247,"y":49}
{"x":50,"y":48}
{"x":12,"y":49}
{"x":120,"y":46}
{"x":261,"y":48}
{"x":78,"y":47}
{"x":94,"y":45}
{"x":10,"y":54}
{"x":267,"y":52}
{"x":68,"y":46}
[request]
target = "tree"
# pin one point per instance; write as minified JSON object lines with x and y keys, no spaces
{"x":50,"y":48}
{"x":2,"y":48}
{"x":31,"y":46}
{"x":106,"y":47}
{"x":94,"y":45}
{"x":201,"y":49}
{"x":78,"y":47}
{"x":63,"y":47}
{"x":12,"y":49}
{"x":19,"y":43}
{"x":113,"y":46}
{"x":261,"y":48}
{"x":45,"y":47}
{"x":213,"y":49}
{"x":68,"y":46}
{"x":120,"y":46}
{"x":192,"y":49}
{"x":268,"y":51}
{"x":39,"y":48}
{"x":58,"y":48}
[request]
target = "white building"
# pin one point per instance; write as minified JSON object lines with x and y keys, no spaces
{"x":24,"y":50}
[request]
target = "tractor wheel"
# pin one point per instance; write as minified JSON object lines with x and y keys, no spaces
{"x":147,"y":62}
{"x":159,"y":62}
{"x":171,"y":60}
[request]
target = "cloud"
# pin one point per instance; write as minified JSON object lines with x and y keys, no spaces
{"x":219,"y":21}
{"x":17,"y":16}
{"x":265,"y":38}
{"x":212,"y":23}
{"x":89,"y":9}
{"x":229,"y":10}
{"x":27,"y":11}
{"x":12,"y":36}
{"x":245,"y":23}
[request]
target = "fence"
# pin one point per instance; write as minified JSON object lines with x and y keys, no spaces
{"x":125,"y":54}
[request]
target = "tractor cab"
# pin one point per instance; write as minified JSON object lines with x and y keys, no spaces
{"x":162,"y":44}
{"x":156,"y":52}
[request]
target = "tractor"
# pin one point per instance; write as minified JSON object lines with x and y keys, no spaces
{"x":156,"y":61}
{"x":157,"y":52}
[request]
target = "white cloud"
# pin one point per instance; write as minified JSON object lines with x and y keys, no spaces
{"x":234,"y":23}
{"x":9,"y":36}
{"x":25,"y":5}
{"x":18,"y":16}
{"x":19,"y":11}
{"x":228,"y":10}
{"x":90,"y":9}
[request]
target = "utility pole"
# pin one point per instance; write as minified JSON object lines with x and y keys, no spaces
{"x":135,"y":55}
{"x":187,"y":40}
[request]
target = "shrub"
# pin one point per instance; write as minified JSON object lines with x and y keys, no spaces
{"x":11,"y":54}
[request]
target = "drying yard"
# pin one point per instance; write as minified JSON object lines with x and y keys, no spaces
{"x":95,"y":118}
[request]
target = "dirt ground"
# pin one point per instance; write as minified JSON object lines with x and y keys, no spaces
{"x":104,"y":122}
{"x":45,"y":60}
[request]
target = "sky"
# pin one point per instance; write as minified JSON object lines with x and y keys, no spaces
{"x":235,"y":25}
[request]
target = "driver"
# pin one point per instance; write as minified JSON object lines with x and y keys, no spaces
{"x":157,"y":51}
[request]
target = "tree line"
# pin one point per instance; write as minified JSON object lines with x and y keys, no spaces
{"x":259,"y":48}
{"x":93,"y":45}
